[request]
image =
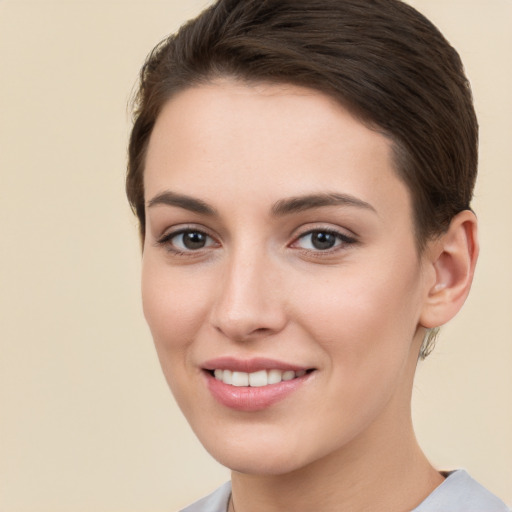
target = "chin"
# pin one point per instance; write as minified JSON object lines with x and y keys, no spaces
{"x":259,"y":455}
{"x":259,"y":464}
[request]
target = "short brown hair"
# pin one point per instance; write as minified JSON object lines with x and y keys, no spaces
{"x":381,"y":59}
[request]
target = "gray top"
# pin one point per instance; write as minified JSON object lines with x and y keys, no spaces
{"x":458,"y":493}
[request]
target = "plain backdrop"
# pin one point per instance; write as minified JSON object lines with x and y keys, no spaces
{"x":86,"y":420}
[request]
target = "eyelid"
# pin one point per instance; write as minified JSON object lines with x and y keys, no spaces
{"x":342,"y":236}
{"x":312,"y":227}
{"x":165,"y":239}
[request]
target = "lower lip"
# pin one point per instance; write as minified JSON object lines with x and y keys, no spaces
{"x":250,"y":399}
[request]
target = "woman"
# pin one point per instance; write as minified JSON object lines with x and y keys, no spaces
{"x":302,"y":172}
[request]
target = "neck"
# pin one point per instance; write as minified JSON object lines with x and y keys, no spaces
{"x":397,"y":477}
{"x":382,"y":469}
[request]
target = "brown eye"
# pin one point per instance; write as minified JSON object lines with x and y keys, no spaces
{"x":322,"y":240}
{"x":188,"y":240}
{"x":194,"y":240}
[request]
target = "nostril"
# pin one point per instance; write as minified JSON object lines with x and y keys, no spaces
{"x":261,"y":330}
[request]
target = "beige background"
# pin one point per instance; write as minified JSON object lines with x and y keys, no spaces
{"x":86,"y":420}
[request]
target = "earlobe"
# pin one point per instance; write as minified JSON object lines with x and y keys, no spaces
{"x":452,"y":258}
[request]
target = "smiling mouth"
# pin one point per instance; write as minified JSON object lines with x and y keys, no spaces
{"x":251,"y":385}
{"x":259,"y":378}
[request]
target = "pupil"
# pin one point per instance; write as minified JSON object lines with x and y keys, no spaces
{"x":322,"y":240}
{"x":194,"y":240}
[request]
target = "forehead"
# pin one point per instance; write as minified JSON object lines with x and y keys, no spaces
{"x":267,"y":141}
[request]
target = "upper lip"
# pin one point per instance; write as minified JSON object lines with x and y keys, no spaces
{"x":250,"y":365}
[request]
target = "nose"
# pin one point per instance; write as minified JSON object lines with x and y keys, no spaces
{"x":249,"y":302}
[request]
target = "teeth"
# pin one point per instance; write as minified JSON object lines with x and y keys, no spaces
{"x":274,"y":376}
{"x":289,"y":375}
{"x":240,"y":379}
{"x":227,"y":376}
{"x":256,"y":379}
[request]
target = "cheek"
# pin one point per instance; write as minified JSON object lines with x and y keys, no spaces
{"x":365,"y":326}
{"x":365,"y":315}
{"x":174,"y":308}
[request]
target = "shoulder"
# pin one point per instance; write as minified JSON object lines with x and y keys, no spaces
{"x":460,"y":493}
{"x":217,"y":501}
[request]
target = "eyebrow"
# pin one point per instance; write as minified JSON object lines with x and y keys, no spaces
{"x":310,"y":201}
{"x":280,"y":208}
{"x":192,"y":204}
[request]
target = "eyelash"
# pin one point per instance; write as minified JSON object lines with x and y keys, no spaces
{"x":342,"y":241}
{"x":165,"y":241}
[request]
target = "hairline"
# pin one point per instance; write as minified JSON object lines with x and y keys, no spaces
{"x":218,"y":76}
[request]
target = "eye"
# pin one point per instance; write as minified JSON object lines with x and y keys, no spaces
{"x":187,"y":240}
{"x":322,"y":240}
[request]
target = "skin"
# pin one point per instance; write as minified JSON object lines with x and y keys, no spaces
{"x":355,"y":313}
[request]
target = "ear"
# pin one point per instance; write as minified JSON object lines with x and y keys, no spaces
{"x":451,"y":261}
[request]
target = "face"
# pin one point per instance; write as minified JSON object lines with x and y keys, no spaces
{"x":281,"y":281}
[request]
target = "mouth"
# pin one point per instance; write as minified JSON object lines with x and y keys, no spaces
{"x":256,"y":379}
{"x":256,"y":384}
